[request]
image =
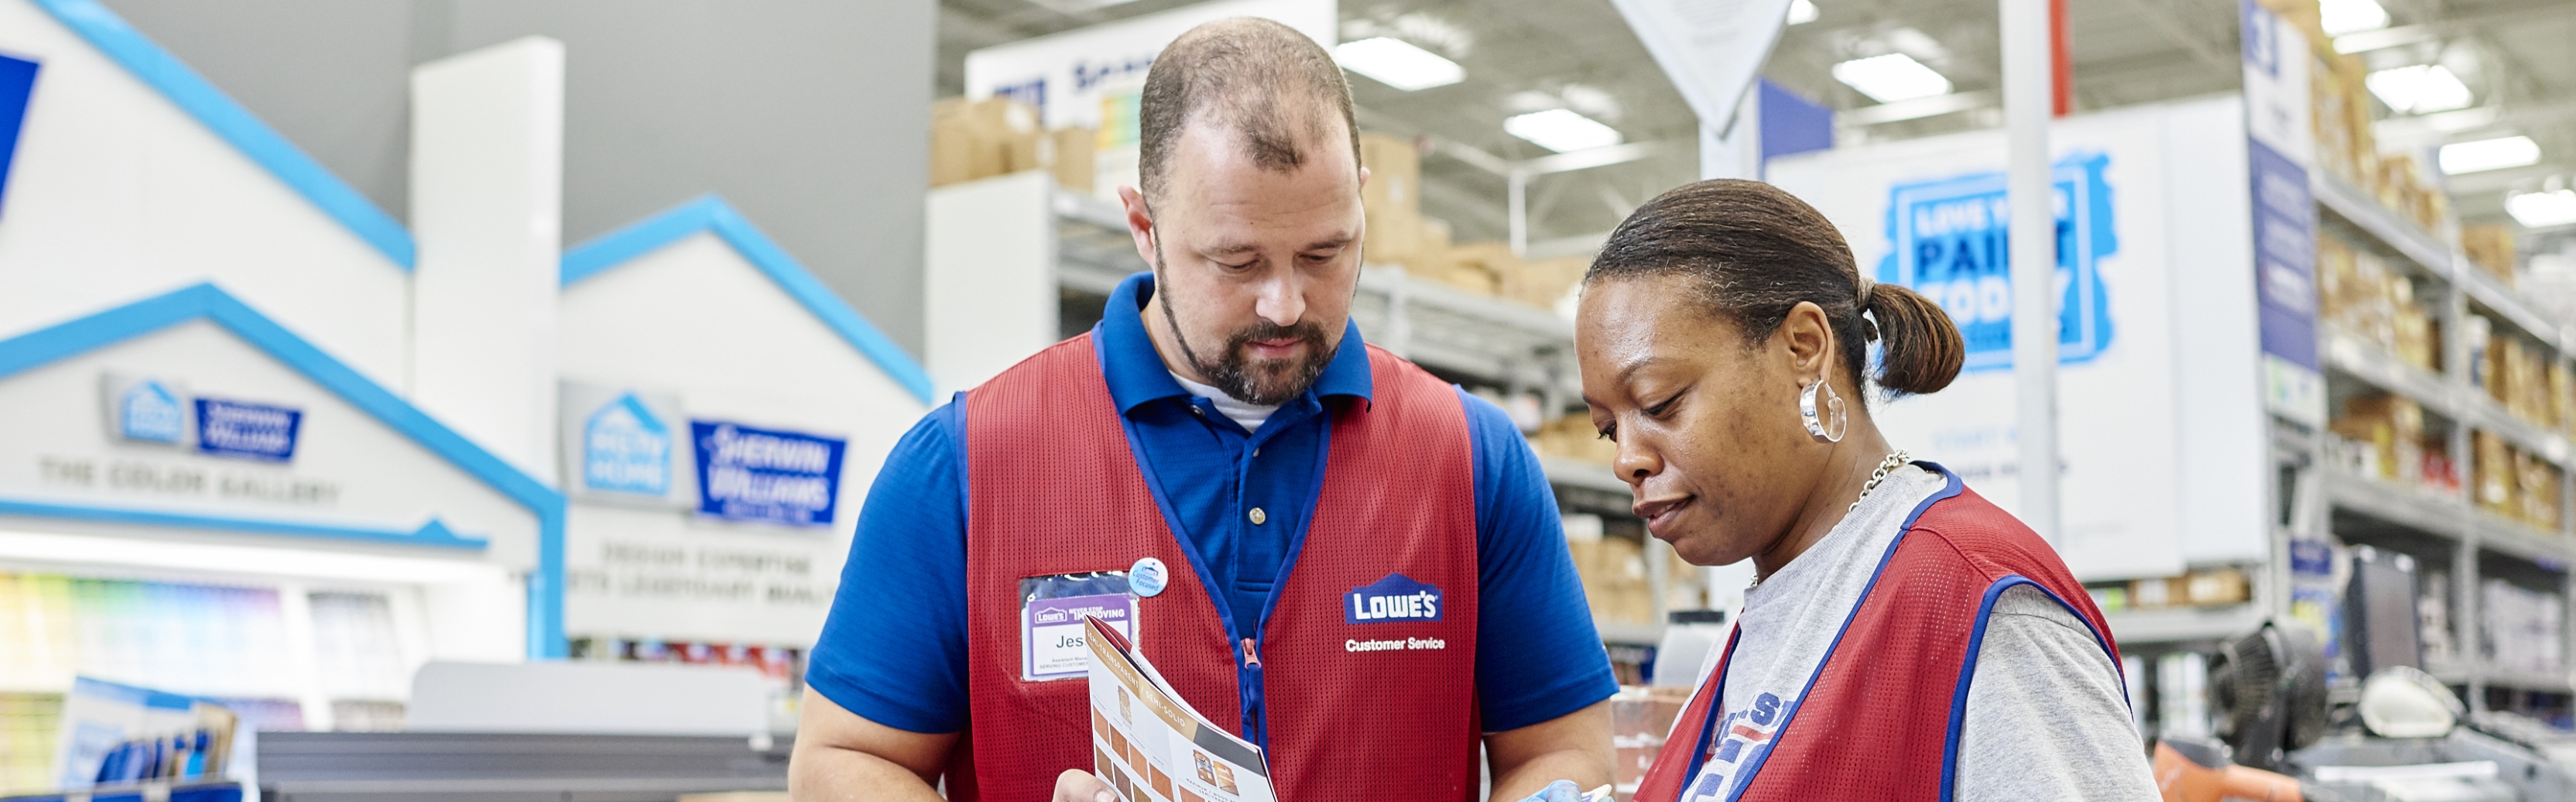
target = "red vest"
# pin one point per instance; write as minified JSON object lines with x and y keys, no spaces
{"x":1880,"y":718}
{"x":1054,"y":486}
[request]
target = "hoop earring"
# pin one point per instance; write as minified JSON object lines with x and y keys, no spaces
{"x":1828,"y":427}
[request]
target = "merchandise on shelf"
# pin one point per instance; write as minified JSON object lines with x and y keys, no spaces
{"x":2517,"y":375}
{"x":1572,"y":437}
{"x":1398,"y":234}
{"x":2490,"y":248}
{"x":2562,"y":395}
{"x":2520,"y":628}
{"x":1392,"y":199}
{"x":2515,"y":483}
{"x":2219,"y":586}
{"x":2358,"y":292}
{"x":971,"y":140}
{"x":2389,"y":432}
{"x":1640,"y":718}
{"x":2433,"y":614}
{"x":1614,"y":577}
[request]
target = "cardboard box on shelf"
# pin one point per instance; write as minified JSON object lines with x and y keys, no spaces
{"x":1572,"y":437}
{"x":1540,"y":283}
{"x":1392,"y":199}
{"x":1076,"y":158}
{"x":984,"y":138}
{"x":2537,"y":485}
{"x":2498,"y":487}
{"x":2489,"y":248}
{"x":1613,"y":570}
{"x":2562,"y":395}
{"x":2393,"y":427}
{"x":2417,"y":342}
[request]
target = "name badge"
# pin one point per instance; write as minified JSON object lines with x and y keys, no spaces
{"x":1052,"y":609}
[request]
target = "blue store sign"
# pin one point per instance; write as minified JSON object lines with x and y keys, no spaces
{"x":626,"y":449}
{"x":1949,"y":242}
{"x":247,"y":430}
{"x":751,"y":474}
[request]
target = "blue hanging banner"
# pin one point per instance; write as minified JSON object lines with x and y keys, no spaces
{"x":768,"y":475}
{"x":247,"y":430}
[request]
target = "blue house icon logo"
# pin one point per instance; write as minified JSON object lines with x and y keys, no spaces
{"x":150,"y":413}
{"x":625,"y":449}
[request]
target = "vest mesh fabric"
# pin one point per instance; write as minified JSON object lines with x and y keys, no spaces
{"x":1876,"y":724}
{"x":1054,"y":488}
{"x":1398,"y":498}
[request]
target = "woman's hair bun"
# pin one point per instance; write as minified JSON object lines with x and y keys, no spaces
{"x":1922,"y":348}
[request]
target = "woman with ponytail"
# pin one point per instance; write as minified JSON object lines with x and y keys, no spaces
{"x":1904,"y":638}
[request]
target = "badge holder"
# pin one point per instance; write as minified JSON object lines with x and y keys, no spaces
{"x":1051,"y":612}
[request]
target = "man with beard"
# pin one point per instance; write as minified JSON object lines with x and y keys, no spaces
{"x":1326,"y":550}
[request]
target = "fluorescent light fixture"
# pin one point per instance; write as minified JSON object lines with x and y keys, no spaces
{"x":1399,"y":64}
{"x":2340,"y":17}
{"x":2542,"y":209}
{"x":2419,"y":88}
{"x":254,"y":560}
{"x":1801,"y":12}
{"x":1892,"y":77}
{"x":1561,"y":130}
{"x":2489,"y":154}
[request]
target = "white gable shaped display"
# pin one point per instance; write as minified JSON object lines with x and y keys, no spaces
{"x":132,"y":167}
{"x":190,"y":418}
{"x":780,"y":402}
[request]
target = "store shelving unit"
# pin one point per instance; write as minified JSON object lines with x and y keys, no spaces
{"x":1462,"y":335}
{"x":2446,"y":531}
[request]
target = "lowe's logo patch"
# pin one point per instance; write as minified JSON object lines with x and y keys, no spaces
{"x":1395,"y":598}
{"x":1947,"y":241}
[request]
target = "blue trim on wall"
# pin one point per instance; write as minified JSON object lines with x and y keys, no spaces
{"x":220,"y":114}
{"x":206,"y":302}
{"x":710,"y":213}
{"x":433,"y":534}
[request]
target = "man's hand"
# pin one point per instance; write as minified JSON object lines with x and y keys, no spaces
{"x":1076,"y":785}
{"x":842,"y":755}
{"x":1574,"y":746}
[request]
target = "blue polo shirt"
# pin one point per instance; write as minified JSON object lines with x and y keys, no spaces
{"x":894,"y":647}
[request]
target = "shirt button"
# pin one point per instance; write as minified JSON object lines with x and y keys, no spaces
{"x":1259,"y":517}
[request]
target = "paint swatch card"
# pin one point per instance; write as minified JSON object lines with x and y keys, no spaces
{"x":1150,"y":745}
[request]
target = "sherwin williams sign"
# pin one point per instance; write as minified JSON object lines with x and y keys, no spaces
{"x":247,"y":430}
{"x":1948,"y":241}
{"x":752,"y":474}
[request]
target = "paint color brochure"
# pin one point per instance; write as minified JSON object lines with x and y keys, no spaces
{"x":1147,"y":743}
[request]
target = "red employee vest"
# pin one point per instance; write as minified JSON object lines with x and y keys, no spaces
{"x":1880,"y":719}
{"x":1054,"y":487}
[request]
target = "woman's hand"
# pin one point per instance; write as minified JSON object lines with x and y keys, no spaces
{"x":1076,"y":785}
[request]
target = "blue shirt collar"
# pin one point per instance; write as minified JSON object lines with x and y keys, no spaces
{"x":1137,"y":374}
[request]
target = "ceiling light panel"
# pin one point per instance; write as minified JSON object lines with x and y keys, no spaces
{"x":1561,"y":130}
{"x":2340,"y":17}
{"x":2542,"y":209}
{"x":1398,"y":64}
{"x":2489,"y":154}
{"x":2419,"y":89}
{"x":1892,"y":77}
{"x":1802,"y":12}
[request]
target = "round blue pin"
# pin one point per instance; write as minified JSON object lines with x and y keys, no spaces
{"x":1147,"y":577}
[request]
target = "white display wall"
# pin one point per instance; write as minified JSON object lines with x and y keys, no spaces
{"x":2159,"y":433}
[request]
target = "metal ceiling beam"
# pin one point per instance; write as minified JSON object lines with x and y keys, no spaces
{"x":2501,"y":180}
{"x":1916,"y":109}
{"x":2472,"y":124}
